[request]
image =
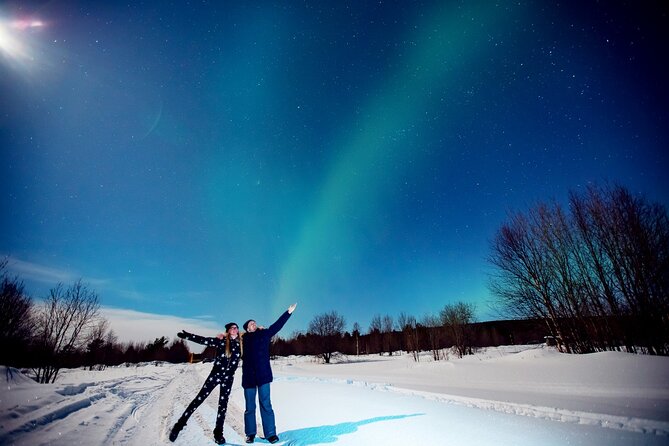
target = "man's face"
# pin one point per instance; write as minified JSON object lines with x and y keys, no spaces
{"x":251,"y":327}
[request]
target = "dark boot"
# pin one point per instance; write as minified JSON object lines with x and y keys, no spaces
{"x":273,"y":439}
{"x":176,"y":429}
{"x":218,"y":435}
{"x":250,"y":438}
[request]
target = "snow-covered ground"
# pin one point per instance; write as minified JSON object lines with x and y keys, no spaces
{"x":513,"y":395}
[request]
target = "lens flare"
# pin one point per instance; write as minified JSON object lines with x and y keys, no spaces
{"x":25,"y":24}
{"x":17,"y":41}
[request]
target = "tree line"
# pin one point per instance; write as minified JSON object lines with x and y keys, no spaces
{"x":66,"y":330}
{"x":326,"y":339}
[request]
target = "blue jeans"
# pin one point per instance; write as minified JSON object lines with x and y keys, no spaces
{"x":266,"y":411}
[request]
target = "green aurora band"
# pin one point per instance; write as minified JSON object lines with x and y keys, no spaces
{"x":447,"y":46}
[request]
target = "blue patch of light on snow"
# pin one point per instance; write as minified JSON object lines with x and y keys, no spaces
{"x":331,"y":433}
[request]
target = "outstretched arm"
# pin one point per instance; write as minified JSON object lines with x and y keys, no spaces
{"x":278,"y":325}
{"x":183,"y":334}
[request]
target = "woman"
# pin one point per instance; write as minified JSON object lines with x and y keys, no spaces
{"x":228,"y":353}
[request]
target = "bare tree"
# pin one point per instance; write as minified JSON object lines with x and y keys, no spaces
{"x":628,"y":254}
{"x":599,"y":276}
{"x":328,"y":327}
{"x":16,"y":322}
{"x":433,"y":330}
{"x":523,"y":280}
{"x":407,"y":325}
{"x":456,"y":319}
{"x":374,"y":338}
{"x":387,"y":333}
{"x":95,"y":347}
{"x":356,"y":335}
{"x":63,"y":324}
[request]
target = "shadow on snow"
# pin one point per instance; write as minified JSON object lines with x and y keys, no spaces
{"x":331,"y":433}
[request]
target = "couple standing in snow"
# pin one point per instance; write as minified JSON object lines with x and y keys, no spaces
{"x":256,"y":376}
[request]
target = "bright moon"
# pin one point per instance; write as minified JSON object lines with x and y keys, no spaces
{"x":15,"y":47}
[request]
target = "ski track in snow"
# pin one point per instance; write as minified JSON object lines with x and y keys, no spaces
{"x":126,"y":398}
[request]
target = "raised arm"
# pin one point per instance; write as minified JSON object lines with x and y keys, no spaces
{"x":278,"y":325}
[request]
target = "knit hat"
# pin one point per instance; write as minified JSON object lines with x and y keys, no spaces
{"x":230,"y":325}
{"x":246,"y":324}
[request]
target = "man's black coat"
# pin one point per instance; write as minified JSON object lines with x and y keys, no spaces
{"x":256,"y":370}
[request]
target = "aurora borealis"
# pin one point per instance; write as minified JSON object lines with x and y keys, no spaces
{"x":217,"y":159}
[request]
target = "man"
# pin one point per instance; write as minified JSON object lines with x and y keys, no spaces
{"x":257,"y":374}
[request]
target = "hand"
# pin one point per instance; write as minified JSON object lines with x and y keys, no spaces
{"x":182,"y":334}
{"x":221,"y":336}
{"x":292,"y":308}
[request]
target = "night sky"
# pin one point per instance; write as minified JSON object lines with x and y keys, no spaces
{"x":220,"y":160}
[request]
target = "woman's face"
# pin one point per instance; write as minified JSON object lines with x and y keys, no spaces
{"x":233,"y":331}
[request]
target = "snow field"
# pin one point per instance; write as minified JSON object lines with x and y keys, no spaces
{"x":518,"y":395}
